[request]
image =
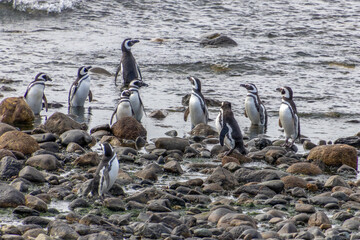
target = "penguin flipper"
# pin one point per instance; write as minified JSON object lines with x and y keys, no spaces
{"x":112,"y":117}
{"x":223,"y":133}
{"x":280,"y":125}
{"x":90,"y":96}
{"x":186,"y":114}
{"x":117,"y":72}
{"x":139,"y":72}
{"x":73,"y":89}
{"x":45,"y":102}
{"x":245,"y":114}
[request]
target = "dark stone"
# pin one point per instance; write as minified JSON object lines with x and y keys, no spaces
{"x":10,"y":197}
{"x":352,"y":141}
{"x":76,"y":135}
{"x":43,"y":222}
{"x":9,"y":167}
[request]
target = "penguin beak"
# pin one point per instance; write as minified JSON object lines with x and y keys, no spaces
{"x":48,"y":79}
{"x":144,"y":84}
{"x":132,"y":42}
{"x":243,"y":85}
{"x":279,"y":89}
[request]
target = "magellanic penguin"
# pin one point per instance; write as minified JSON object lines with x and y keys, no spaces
{"x":35,"y":93}
{"x":123,"y":108}
{"x":229,"y":130}
{"x":128,"y":68}
{"x":254,"y":108}
{"x":288,"y":117}
{"x":197,"y":107}
{"x":106,"y":172}
{"x":135,"y":99}
{"x":80,"y":88}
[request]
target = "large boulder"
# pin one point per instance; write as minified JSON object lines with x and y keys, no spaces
{"x":10,"y":197}
{"x":44,"y":161}
{"x":128,"y":128}
{"x":172,"y":143}
{"x":304,"y":168}
{"x":15,"y":110}
{"x":18,"y":141}
{"x":335,"y":155}
{"x":59,"y":123}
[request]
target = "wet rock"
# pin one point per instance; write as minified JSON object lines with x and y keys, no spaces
{"x":15,"y":110}
{"x":302,"y":217}
{"x":336,"y":181}
{"x":43,"y":236}
{"x":43,"y":161}
{"x":90,"y":219}
{"x":318,"y":219}
{"x":50,"y":146}
{"x":173,"y":167}
{"x":21,"y":184}
{"x":203,"y":129}
{"x":10,"y":197}
{"x":304,"y":235}
{"x":128,"y":128}
{"x":149,"y":172}
{"x":152,"y":230}
{"x":249,"y":175}
{"x":44,"y":137}
{"x":228,"y":159}
{"x":18,"y":141}
{"x":120,"y":219}
{"x":293,"y":181}
{"x":31,"y":174}
{"x":298,"y":192}
{"x":33,"y":233}
{"x":161,"y":205}
{"x":172,"y":143}
{"x":78,"y":203}
{"x":91,"y":158}
{"x":59,"y":123}
{"x":352,"y":141}
{"x":236,"y":219}
{"x":217,"y":149}
{"x":346,"y":170}
{"x":223,"y":177}
{"x":341,"y":196}
{"x":171,"y":133}
{"x":217,"y":40}
{"x":144,"y":196}
{"x":61,"y":230}
{"x":275,"y":185}
{"x":114,"y":204}
{"x":335,"y":155}
{"x":74,"y":147}
{"x":23,"y":211}
{"x":232,"y":166}
{"x":40,"y":221}
{"x":76,"y":135}
{"x":352,"y":224}
{"x":323,"y":200}
{"x":9,"y":167}
{"x":304,"y":168}
{"x":4,"y":127}
{"x":288,"y":228}
{"x":181,"y":231}
{"x":35,"y":203}
{"x":212,"y":187}
{"x":202,"y":233}
{"x":158,"y":114}
{"x":218,"y":213}
{"x":304,"y":208}
{"x":200,"y":199}
{"x":308,"y":145}
{"x":255,"y":189}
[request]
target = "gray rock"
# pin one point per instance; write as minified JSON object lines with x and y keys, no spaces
{"x":120,"y":219}
{"x":44,"y":161}
{"x":316,"y":231}
{"x":202,"y":233}
{"x":336,"y":181}
{"x":305,"y":235}
{"x":78,"y":203}
{"x":50,"y":146}
{"x":352,"y":141}
{"x":224,"y":178}
{"x":76,"y":135}
{"x":276,"y":185}
{"x":323,"y":200}
{"x":238,"y":230}
{"x":21,"y":184}
{"x":249,"y":175}
{"x":352,"y":224}
{"x":74,"y":147}
{"x":43,"y":222}
{"x":4,"y":127}
{"x":10,"y":197}
{"x":151,"y":230}
{"x":172,"y":143}
{"x":251,"y":234}
{"x":173,"y":167}
{"x":171,"y":133}
{"x":114,"y":204}
{"x":342,"y":216}
{"x":31,"y":174}
{"x":145,"y":195}
{"x":59,"y":123}
{"x":255,"y":190}
{"x":298,"y":192}
{"x":44,"y":137}
{"x":318,"y":219}
{"x":302,"y":217}
{"x":288,"y":228}
{"x":218,"y":213}
{"x":308,"y":145}
{"x":182,"y":231}
{"x":9,"y":167}
{"x":98,"y":236}
{"x":347,"y":170}
{"x":304,"y":208}
{"x":61,"y":230}
{"x":217,"y":40}
{"x":201,"y":199}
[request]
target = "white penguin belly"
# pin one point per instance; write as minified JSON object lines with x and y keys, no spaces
{"x":81,"y":94}
{"x":251,"y":111}
{"x":123,"y":110}
{"x":34,"y":98}
{"x":287,"y":121}
{"x":197,"y":114}
{"x":136,"y":106}
{"x":219,"y":128}
{"x":113,"y":173}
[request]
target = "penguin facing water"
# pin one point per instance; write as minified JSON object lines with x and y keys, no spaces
{"x":80,"y":88}
{"x":135,"y":99}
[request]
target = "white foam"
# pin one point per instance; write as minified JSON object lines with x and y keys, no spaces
{"x":50,"y":6}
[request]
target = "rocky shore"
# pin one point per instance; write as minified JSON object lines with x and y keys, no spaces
{"x":174,"y":188}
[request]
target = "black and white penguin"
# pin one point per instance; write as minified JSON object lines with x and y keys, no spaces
{"x":80,"y":88}
{"x":288,"y":117}
{"x":123,"y":108}
{"x":197,"y":107}
{"x":35,"y":93}
{"x":128,"y":68}
{"x":135,"y":99}
{"x":254,"y":108}
{"x":229,"y":130}
{"x":106,"y":172}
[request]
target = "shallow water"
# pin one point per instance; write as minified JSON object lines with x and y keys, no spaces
{"x":311,"y":46}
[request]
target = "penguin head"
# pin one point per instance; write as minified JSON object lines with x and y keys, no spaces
{"x":137,"y":84}
{"x":42,"y":77}
{"x":286,"y":92}
{"x":195,"y":82}
{"x":125,"y":94}
{"x":128,"y":43}
{"x":226,"y":105}
{"x":83,"y":71}
{"x":251,"y":88}
{"x":107,"y":149}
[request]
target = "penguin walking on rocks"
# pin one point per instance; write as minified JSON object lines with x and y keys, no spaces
{"x":229,"y":130}
{"x":34,"y":94}
{"x":135,"y":99}
{"x":128,"y":68}
{"x":106,"y":172}
{"x":80,"y":88}
{"x":123,"y":108}
{"x":288,"y":116}
{"x":197,"y":107}
{"x":254,"y":108}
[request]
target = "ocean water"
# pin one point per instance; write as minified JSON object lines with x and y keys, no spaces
{"x":311,"y":46}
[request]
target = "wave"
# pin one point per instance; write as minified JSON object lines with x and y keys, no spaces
{"x":49,"y":6}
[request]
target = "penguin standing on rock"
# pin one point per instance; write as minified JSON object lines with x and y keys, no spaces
{"x":229,"y":130}
{"x":135,"y":99}
{"x":35,"y":93}
{"x":197,"y":107}
{"x":128,"y":68}
{"x":288,"y":117}
{"x":106,"y":172}
{"x":80,"y":89}
{"x":254,"y":108}
{"x":123,"y":108}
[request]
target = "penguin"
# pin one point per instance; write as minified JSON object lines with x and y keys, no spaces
{"x":106,"y":172}
{"x":254,"y":108}
{"x":128,"y":67}
{"x":35,"y":93}
{"x":80,"y":88}
{"x":229,"y":130}
{"x":123,"y":108}
{"x":197,"y":107}
{"x":288,"y":116}
{"x":135,"y":99}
